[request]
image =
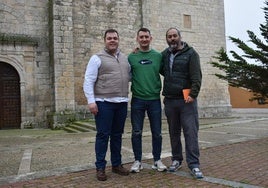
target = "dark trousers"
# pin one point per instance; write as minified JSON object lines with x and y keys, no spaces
{"x":110,"y":123}
{"x":138,"y":109}
{"x":183,"y":116}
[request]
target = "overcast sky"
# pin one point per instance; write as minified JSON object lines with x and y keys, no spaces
{"x":240,"y":16}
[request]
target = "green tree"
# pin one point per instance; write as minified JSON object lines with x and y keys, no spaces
{"x":241,"y":73}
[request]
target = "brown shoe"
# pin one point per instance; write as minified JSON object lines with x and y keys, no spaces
{"x":120,"y":170}
{"x":101,"y":176}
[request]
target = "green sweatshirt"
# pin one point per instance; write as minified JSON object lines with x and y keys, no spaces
{"x":146,"y":82}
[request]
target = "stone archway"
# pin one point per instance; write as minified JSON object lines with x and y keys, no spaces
{"x":10,"y":98}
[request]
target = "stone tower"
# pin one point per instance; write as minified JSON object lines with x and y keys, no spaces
{"x":45,"y":46}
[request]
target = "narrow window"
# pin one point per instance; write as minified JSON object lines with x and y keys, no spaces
{"x":187,"y":21}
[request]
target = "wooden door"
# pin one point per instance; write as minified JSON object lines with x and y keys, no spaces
{"x":10,"y":104}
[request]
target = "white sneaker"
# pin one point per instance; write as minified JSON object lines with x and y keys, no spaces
{"x":158,"y":165}
{"x":136,"y":167}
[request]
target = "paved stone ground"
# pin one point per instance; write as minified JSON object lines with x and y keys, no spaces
{"x":236,"y":165}
{"x":234,"y":153}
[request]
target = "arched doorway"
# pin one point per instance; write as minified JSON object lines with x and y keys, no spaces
{"x":10,"y":104}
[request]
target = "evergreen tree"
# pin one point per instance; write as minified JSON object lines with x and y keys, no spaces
{"x":239,"y":72}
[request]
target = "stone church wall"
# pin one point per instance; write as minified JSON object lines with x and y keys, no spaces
{"x":68,"y":32}
{"x":24,"y":19}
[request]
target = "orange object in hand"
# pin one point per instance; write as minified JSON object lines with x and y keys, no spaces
{"x":186,"y":93}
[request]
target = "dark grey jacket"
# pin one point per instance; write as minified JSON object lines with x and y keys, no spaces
{"x":185,"y":73}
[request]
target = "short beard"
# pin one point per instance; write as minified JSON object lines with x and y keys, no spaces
{"x":173,"y":47}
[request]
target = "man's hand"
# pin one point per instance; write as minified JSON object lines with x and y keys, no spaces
{"x":93,"y":108}
{"x":189,"y":99}
{"x":135,"y":50}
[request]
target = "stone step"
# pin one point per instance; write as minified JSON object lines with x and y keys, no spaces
{"x":85,"y":124}
{"x":80,"y":126}
{"x":71,"y":130}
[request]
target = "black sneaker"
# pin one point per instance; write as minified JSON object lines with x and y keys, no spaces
{"x":196,"y":172}
{"x":176,"y":165}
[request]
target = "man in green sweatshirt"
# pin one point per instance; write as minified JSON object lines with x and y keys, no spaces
{"x":146,"y":86}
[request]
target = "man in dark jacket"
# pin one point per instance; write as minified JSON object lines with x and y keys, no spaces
{"x":181,"y":70}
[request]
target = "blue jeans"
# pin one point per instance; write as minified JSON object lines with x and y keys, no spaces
{"x":110,"y":122}
{"x":153,"y":108}
{"x":183,"y":116}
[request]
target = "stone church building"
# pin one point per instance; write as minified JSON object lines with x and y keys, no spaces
{"x":45,"y":46}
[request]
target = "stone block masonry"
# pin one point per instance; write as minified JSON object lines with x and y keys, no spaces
{"x":69,"y":32}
